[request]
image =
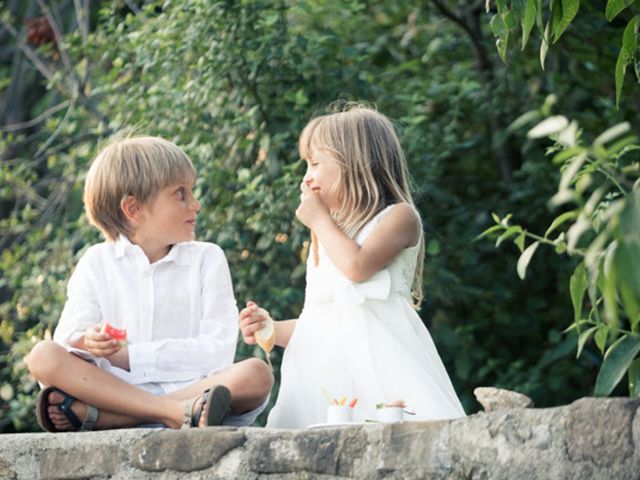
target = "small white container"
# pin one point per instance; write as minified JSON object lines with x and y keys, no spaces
{"x":390,"y":414}
{"x":337,"y":414}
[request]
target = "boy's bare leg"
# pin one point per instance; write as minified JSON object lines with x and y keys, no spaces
{"x":106,"y":420}
{"x":249,"y":382}
{"x":52,"y":365}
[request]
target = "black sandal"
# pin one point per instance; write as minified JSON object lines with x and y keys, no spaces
{"x":217,"y":398}
{"x":42,"y":412}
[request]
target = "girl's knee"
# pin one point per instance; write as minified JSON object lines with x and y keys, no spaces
{"x":44,"y":358}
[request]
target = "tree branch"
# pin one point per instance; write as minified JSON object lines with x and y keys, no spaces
{"x":82,"y":16}
{"x":469,"y":22}
{"x":56,"y":33}
{"x":40,"y":118}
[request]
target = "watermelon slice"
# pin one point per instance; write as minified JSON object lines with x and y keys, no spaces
{"x":115,"y":333}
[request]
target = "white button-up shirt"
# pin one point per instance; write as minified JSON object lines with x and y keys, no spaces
{"x":180,"y":312}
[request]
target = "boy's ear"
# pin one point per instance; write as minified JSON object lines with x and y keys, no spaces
{"x":131,"y":208}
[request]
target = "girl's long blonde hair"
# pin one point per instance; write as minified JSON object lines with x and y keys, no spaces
{"x":373,"y":168}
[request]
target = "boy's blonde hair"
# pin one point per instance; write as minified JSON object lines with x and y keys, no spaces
{"x":135,"y":166}
{"x":373,"y":169}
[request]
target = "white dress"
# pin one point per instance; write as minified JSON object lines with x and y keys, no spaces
{"x":361,"y":340}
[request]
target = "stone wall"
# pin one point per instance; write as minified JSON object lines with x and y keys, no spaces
{"x":589,"y":439}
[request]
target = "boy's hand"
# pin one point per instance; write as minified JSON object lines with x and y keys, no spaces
{"x":252,"y":319}
{"x":100,"y":344}
{"x":311,"y":207}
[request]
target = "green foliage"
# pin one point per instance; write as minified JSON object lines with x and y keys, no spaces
{"x":628,"y":54}
{"x":561,"y":13}
{"x":600,"y":225}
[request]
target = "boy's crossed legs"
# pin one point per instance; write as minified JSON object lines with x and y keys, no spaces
{"x":122,"y":405}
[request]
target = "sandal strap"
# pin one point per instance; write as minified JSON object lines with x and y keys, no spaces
{"x":89,"y":419}
{"x":191,"y":419}
{"x":65,"y":407}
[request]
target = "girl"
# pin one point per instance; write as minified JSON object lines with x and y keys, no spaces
{"x":358,"y":335}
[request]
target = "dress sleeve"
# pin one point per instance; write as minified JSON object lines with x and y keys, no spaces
{"x":212,"y":349}
{"x":81,"y":309}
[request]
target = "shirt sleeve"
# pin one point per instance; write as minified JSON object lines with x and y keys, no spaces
{"x":81,"y":309}
{"x":213,"y":349}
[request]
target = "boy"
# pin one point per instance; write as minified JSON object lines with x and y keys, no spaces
{"x":172,"y":295}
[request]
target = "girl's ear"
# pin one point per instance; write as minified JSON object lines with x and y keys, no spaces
{"x":131,"y":208}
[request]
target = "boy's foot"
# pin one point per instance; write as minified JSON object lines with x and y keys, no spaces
{"x":209,"y":410}
{"x":60,"y":412}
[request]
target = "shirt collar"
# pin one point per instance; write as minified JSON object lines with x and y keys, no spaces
{"x":180,"y":253}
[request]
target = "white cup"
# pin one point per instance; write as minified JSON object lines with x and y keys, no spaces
{"x":337,"y":414}
{"x":390,"y":414}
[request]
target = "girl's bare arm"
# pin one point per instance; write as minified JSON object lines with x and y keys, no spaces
{"x":399,"y":229}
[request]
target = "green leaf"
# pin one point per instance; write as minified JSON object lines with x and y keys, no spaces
{"x":617,"y":361}
{"x":614,"y":7}
{"x":525,"y":258}
{"x":548,"y":126}
{"x":528,"y":21}
{"x":517,"y":8}
{"x":609,"y":286}
{"x":583,"y":338}
{"x":519,"y":241}
{"x":571,"y":170}
{"x":489,"y":231}
{"x":544,"y":45}
{"x":500,"y":30}
{"x":560,"y":247}
{"x":510,"y":20}
{"x":628,"y":265}
{"x":611,"y":133}
{"x":625,"y":144}
{"x":539,"y":14}
{"x":508,"y":233}
{"x":601,"y":337}
{"x":576,"y":325}
{"x":626,"y":55}
{"x":630,"y":305}
{"x":559,"y":220}
{"x":524,"y":119}
{"x":567,"y":154}
{"x":569,"y":135}
{"x":505,"y":221}
{"x":579,"y":228}
{"x":562,"y":197}
{"x":634,"y":379}
{"x":563,"y":13}
{"x":578,"y":286}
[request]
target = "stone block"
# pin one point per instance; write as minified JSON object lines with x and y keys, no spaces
{"x":327,"y":451}
{"x":492,"y":398}
{"x":80,"y":462}
{"x":403,"y":443}
{"x":600,"y":432}
{"x":185,"y":451}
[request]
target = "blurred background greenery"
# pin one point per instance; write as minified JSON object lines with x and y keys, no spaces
{"x":233,"y":82}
